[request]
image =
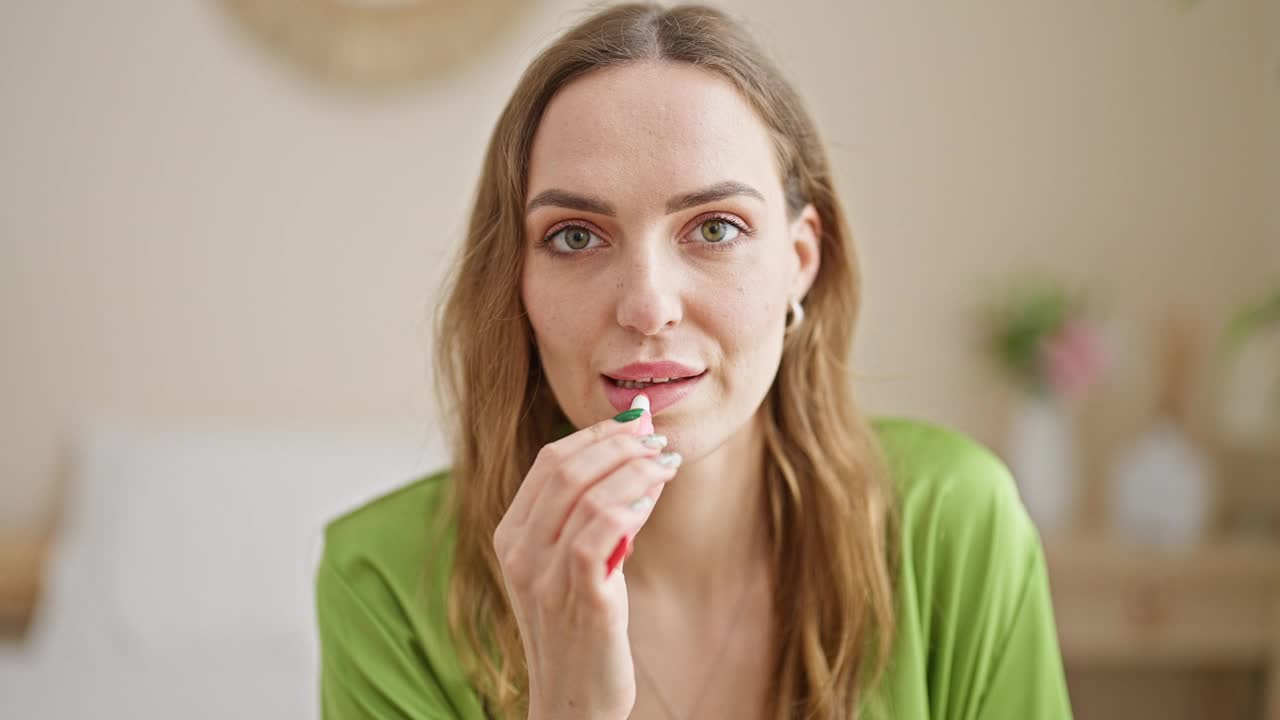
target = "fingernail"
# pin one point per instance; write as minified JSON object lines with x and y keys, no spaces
{"x":669,"y":459}
{"x":644,"y":502}
{"x":629,"y":415}
{"x":654,"y":441}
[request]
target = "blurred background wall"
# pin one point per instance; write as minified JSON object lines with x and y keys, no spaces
{"x":193,"y":230}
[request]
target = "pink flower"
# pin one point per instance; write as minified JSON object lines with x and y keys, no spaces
{"x":1070,"y":358}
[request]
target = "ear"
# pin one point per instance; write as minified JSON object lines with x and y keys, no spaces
{"x":806,"y":240}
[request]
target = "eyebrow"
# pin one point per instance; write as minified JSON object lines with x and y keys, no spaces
{"x":586,"y":203}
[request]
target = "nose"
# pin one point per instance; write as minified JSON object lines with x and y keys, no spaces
{"x":648,"y":290}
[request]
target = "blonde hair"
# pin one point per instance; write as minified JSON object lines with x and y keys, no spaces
{"x":831,"y":509}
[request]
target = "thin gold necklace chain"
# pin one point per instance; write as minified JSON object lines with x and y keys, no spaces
{"x":724,"y":646}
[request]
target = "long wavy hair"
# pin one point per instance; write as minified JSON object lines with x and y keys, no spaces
{"x":830,"y":503}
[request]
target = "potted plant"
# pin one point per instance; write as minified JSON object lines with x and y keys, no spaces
{"x":1041,"y":337}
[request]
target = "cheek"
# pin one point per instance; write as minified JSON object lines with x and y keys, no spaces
{"x":562,"y":323}
{"x":744,"y":320}
{"x":746,"y":310}
{"x":546,"y":315}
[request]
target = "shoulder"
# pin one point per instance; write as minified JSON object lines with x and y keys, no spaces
{"x":946,"y":481}
{"x":384,"y":550}
{"x":965,"y":540}
{"x":381,"y":609}
{"x":383,"y":573}
{"x":966,"y":550}
{"x":394,"y":522}
{"x":975,"y":635}
{"x":926,"y":457}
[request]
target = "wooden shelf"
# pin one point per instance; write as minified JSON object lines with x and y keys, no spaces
{"x":1123,"y":604}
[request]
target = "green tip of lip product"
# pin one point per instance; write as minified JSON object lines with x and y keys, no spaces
{"x":641,"y":402}
{"x":629,"y":415}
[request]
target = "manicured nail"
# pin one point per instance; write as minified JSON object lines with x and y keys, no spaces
{"x":654,"y":441}
{"x":669,"y":459}
{"x":629,"y":415}
{"x":643,"y":503}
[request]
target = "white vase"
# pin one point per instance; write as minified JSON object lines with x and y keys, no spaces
{"x":1160,"y":489}
{"x":1042,"y":457}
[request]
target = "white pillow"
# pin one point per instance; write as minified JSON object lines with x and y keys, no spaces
{"x":187,"y":540}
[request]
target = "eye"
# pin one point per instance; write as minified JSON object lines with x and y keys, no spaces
{"x":573,"y":238}
{"x":718,"y":230}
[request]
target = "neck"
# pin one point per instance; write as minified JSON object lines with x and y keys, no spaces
{"x":709,"y":527}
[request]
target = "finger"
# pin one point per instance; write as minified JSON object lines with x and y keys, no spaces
{"x":551,"y":455}
{"x":621,"y":488}
{"x":587,"y":553}
{"x":575,"y":476}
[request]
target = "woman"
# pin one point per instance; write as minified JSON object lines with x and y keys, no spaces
{"x":656,"y":217}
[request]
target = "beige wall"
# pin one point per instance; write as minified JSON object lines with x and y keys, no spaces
{"x":190,"y":231}
{"x":1272,"y":200}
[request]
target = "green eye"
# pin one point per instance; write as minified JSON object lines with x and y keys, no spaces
{"x":718,"y":230}
{"x":577,"y":238}
{"x":573,"y":238}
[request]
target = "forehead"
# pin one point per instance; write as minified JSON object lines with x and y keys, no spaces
{"x":650,"y":129}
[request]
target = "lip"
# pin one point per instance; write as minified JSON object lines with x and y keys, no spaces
{"x":661,"y":396}
{"x":660,"y":369}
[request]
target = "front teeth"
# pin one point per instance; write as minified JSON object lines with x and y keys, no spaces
{"x":637,"y":384}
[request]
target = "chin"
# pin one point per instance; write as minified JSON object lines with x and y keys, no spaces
{"x":693,"y":438}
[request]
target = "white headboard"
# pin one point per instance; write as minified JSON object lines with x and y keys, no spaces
{"x":182,"y":540}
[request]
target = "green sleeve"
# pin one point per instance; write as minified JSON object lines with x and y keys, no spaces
{"x":1027,"y":678}
{"x":381,"y":606}
{"x":995,"y":653}
{"x":371,"y":666}
{"x":975,"y":637}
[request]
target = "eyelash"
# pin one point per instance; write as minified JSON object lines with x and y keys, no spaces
{"x":745,"y":231}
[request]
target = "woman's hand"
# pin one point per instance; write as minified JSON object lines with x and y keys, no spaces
{"x":553,"y":543}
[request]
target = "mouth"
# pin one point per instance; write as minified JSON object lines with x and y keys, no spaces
{"x":649,"y":382}
{"x":663,"y":392}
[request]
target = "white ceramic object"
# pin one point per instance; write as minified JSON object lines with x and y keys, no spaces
{"x":1043,"y":460}
{"x":1160,"y":489}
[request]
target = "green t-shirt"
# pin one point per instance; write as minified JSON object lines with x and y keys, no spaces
{"x":975,"y":634}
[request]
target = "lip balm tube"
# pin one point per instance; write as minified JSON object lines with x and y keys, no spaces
{"x":644,"y":426}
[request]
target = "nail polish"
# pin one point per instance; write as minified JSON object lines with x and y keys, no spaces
{"x":644,"y":502}
{"x":669,"y":459}
{"x":654,"y":441}
{"x":629,"y":415}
